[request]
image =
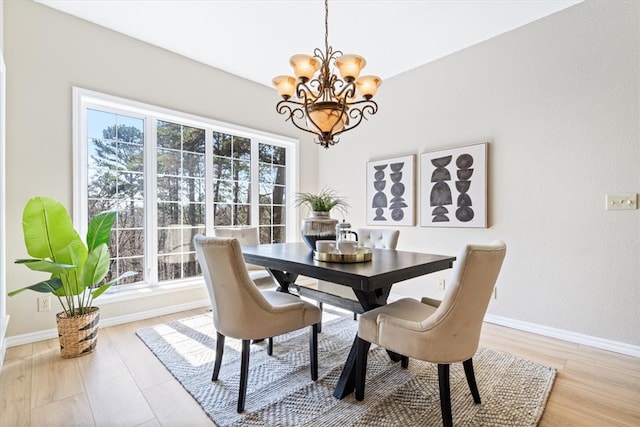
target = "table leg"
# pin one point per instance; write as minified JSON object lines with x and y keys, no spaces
{"x":347,"y":381}
{"x":284,"y":279}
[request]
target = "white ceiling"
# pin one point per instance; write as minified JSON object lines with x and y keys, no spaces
{"x":255,"y":38}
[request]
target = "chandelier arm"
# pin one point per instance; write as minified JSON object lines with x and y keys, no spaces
{"x":358,"y":114}
{"x":294,"y":113}
{"x":347,"y":88}
{"x":304,"y":90}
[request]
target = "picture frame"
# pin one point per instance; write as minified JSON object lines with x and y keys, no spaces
{"x":453,"y":187}
{"x":391,"y":191}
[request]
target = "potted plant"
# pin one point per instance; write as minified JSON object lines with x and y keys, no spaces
{"x":77,"y":269}
{"x":319,"y":225}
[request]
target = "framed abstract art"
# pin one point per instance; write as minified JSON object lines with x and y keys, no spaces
{"x":453,"y":190}
{"x":390,"y":191}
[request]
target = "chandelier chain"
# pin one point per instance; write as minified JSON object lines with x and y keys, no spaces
{"x":326,"y":25}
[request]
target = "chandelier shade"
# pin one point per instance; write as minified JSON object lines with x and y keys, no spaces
{"x":316,"y":100}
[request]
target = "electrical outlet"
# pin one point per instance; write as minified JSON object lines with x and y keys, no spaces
{"x":441,"y":284}
{"x":621,"y":202}
{"x":44,"y":303}
{"x":495,"y":292}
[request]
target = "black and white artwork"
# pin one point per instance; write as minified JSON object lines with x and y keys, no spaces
{"x":453,"y":190}
{"x":390,"y":191}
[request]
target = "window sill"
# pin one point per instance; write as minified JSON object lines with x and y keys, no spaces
{"x":149,"y":291}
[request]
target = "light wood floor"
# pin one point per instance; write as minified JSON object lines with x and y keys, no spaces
{"x":123,"y":384}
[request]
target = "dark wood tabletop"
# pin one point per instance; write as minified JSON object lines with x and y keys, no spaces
{"x":385,"y":268}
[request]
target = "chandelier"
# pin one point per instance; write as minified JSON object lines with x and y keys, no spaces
{"x":318,"y":101}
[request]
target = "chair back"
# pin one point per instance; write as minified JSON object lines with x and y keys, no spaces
{"x":457,"y":322}
{"x":235,"y":299}
{"x":378,"y":237}
{"x":247,"y":236}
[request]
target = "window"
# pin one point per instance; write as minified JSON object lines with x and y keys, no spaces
{"x":171,"y":176}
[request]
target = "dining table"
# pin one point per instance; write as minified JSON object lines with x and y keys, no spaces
{"x":371,"y":281}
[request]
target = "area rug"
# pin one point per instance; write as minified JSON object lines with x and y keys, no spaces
{"x":280,"y":391}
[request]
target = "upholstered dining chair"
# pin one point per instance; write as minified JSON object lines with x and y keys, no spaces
{"x":381,"y":238}
{"x":242,"y":311}
{"x":247,"y":236}
{"x":439,"y":332}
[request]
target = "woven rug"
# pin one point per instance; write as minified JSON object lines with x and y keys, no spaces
{"x":280,"y":391}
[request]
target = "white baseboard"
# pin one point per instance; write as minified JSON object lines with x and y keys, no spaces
{"x":4,"y":323}
{"x":591,"y":341}
{"x":601,"y":343}
{"x":111,"y":321}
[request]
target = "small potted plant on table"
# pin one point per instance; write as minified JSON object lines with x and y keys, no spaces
{"x":319,"y":225}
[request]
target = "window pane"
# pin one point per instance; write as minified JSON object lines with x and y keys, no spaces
{"x":265,"y":215}
{"x":221,"y":144}
{"x":169,"y":162}
{"x":265,"y":235}
{"x":279,"y":234}
{"x":98,"y":122}
{"x":131,"y":156}
{"x":194,"y":140}
{"x":279,"y":213}
{"x":242,"y":214}
{"x":130,"y":242}
{"x":266,"y":193}
{"x":193,"y":164}
{"x":222,"y":214}
{"x":221,"y":168}
{"x":266,"y":153}
{"x":241,"y":170}
{"x":193,"y":214}
{"x":241,"y":148}
{"x":168,"y":214}
{"x":279,"y":156}
{"x":130,"y":185}
{"x":193,"y":190}
{"x":169,"y":135}
{"x":168,"y":188}
{"x":223,"y":191}
{"x":102,"y":183}
{"x":131,"y":214}
{"x":241,"y":192}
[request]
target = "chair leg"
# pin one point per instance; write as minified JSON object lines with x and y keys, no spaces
{"x":355,"y":316}
{"x":404,"y":362}
{"x":362,"y":351}
{"x":471,"y":380}
{"x":270,"y":346}
{"x":244,"y":371}
{"x":320,"y":305}
{"x":219,"y":351}
{"x":445,"y":395}
{"x":313,"y":351}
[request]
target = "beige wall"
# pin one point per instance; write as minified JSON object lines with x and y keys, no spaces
{"x":558,"y":100}
{"x":46,"y":53}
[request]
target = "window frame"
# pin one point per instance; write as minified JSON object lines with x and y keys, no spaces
{"x":84,"y":99}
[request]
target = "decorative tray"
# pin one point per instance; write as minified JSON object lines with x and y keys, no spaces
{"x":362,"y":255}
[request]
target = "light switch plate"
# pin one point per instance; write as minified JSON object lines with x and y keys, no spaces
{"x":617,"y":202}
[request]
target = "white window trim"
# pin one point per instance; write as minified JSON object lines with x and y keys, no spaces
{"x":84,"y":99}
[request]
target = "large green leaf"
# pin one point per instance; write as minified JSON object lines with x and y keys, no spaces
{"x":96,"y":266}
{"x":49,"y":232}
{"x":45,"y":265}
{"x":45,"y":286}
{"x":99,"y":230}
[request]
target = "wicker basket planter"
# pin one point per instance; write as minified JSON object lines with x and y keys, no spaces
{"x":78,"y":335}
